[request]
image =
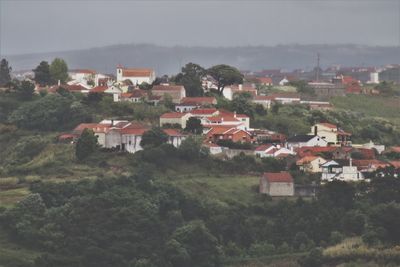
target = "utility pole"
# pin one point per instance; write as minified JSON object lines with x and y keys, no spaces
{"x":317,"y":71}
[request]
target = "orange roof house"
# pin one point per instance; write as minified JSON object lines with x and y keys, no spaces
{"x":233,"y":134}
{"x":135,"y":75}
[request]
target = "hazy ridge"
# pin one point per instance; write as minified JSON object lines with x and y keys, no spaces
{"x":168,"y":60}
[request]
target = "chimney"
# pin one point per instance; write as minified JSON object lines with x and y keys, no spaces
{"x":112,"y":122}
{"x":351,"y":162}
{"x":234,"y":114}
{"x":315,"y":130}
{"x":240,"y":87}
{"x":59,"y":83}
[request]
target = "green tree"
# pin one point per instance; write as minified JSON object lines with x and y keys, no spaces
{"x":59,"y":70}
{"x":26,"y":218}
{"x":225,"y":75}
{"x":193,"y":125}
{"x":25,"y":90}
{"x":86,"y":144}
{"x":42,"y":74}
{"x":5,"y":71}
{"x":190,"y":149}
{"x":49,"y":113}
{"x":193,"y":245}
{"x":241,"y":104}
{"x":337,"y":194}
{"x":190,"y":77}
{"x":153,"y":138}
{"x":302,"y":87}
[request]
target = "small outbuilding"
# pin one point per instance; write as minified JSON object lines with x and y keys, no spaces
{"x":277,"y":184}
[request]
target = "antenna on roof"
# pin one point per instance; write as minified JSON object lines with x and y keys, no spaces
{"x":317,"y":70}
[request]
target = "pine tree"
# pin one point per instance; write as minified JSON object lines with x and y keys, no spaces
{"x":5,"y":70}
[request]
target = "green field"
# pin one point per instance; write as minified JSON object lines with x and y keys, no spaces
{"x":374,"y":106}
{"x":223,"y":188}
{"x":11,"y":196}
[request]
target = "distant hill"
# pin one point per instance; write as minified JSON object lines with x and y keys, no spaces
{"x":168,"y":60}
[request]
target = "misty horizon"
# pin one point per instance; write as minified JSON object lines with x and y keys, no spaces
{"x":81,"y":25}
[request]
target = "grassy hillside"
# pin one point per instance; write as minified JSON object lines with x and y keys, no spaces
{"x":374,"y":106}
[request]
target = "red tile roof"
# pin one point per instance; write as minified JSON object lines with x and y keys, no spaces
{"x":265,"y":80}
{"x":98,"y":89}
{"x":278,"y":177}
{"x":221,"y":118}
{"x":173,"y":115}
{"x":136,"y":72}
{"x":173,"y":132}
{"x":134,"y":131}
{"x":313,"y":150}
{"x":363,"y":163}
{"x":204,"y":111}
{"x":85,"y":71}
{"x":199,"y":100}
{"x":395,"y":149}
{"x":395,"y":164}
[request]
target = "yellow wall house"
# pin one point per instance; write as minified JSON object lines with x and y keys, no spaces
{"x":331,"y":133}
{"x":311,"y":164}
{"x":175,"y":118}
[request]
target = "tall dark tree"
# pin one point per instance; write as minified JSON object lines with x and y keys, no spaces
{"x":86,"y":145}
{"x":190,"y":77}
{"x":59,"y":70}
{"x":154,"y":137}
{"x":225,"y":75}
{"x":193,"y":125}
{"x":25,"y":90}
{"x":5,"y":70}
{"x":42,"y":74}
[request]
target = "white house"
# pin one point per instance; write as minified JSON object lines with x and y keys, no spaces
{"x":332,"y":170}
{"x":305,"y":140}
{"x":83,"y":77}
{"x":135,"y":75}
{"x":115,"y":91}
{"x":284,"y":81}
{"x":272,"y":150}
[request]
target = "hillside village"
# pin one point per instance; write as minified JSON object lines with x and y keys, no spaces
{"x":228,"y":148}
{"x":327,"y":149}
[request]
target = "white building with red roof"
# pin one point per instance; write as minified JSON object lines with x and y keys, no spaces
{"x":241,"y":121}
{"x":277,"y":184}
{"x":124,"y":135}
{"x":135,"y":75}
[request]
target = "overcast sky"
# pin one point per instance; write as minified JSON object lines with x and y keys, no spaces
{"x":44,"y":26}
